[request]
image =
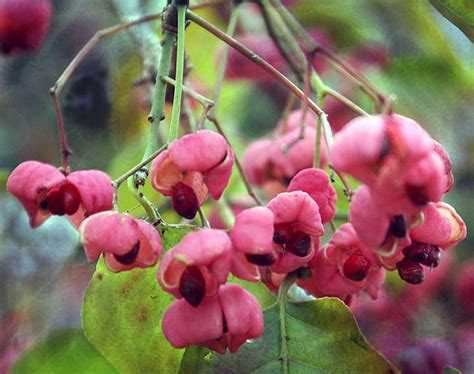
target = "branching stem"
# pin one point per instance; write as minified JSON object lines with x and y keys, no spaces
{"x":117,"y":182}
{"x":178,"y":89}
{"x":252,"y":56}
{"x":282,"y":292}
{"x":234,"y":17}
{"x":249,"y":188}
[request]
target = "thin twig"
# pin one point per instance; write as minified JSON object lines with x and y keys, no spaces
{"x":252,"y":56}
{"x":307,"y":92}
{"x":207,"y":103}
{"x":286,"y":111}
{"x":234,"y":17}
{"x":249,"y":188}
{"x":331,"y":56}
{"x":117,"y":182}
{"x":178,"y":90}
{"x":189,"y":113}
{"x":71,"y":68}
{"x":319,"y":130}
{"x":203,"y":218}
{"x":351,"y":105}
{"x":64,"y":146}
{"x":310,"y":46}
{"x":203,"y":100}
{"x":347,"y":188}
{"x":281,"y":36}
{"x":150,"y":209}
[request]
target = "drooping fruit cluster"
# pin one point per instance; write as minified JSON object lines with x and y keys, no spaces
{"x":397,"y":211}
{"x":195,"y":272}
{"x":86,"y":199}
{"x":397,"y":220}
{"x":44,"y":190}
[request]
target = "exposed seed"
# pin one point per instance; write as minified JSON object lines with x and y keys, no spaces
{"x":185,"y":201}
{"x":192,"y":285}
{"x":356,"y":267}
{"x":130,"y":256}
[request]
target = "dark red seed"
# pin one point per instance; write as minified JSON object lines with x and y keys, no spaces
{"x":417,"y":252}
{"x":398,"y":226}
{"x":423,"y":253}
{"x":279,"y":237}
{"x":262,"y":260}
{"x":55,"y":202}
{"x":63,"y":200}
{"x":224,"y":322}
{"x":71,"y":199}
{"x":44,"y":204}
{"x":185,"y":201}
{"x":411,"y":271}
{"x":417,"y":194}
{"x":434,"y":257}
{"x":299,"y":244}
{"x":130,"y":256}
{"x":386,"y":148}
{"x":192,"y":285}
{"x":356,"y":267}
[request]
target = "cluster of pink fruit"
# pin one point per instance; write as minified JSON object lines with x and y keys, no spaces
{"x":396,"y":219}
{"x":189,"y":170}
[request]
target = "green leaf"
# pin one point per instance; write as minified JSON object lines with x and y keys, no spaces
{"x":321,"y":337}
{"x":458,"y":12}
{"x":122,"y":313}
{"x":450,"y":370}
{"x":65,"y":351}
{"x":192,"y":355}
{"x":4,"y":173}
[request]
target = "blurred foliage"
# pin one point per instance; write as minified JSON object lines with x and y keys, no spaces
{"x":63,"y":352}
{"x":30,"y":259}
{"x":459,"y":12}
